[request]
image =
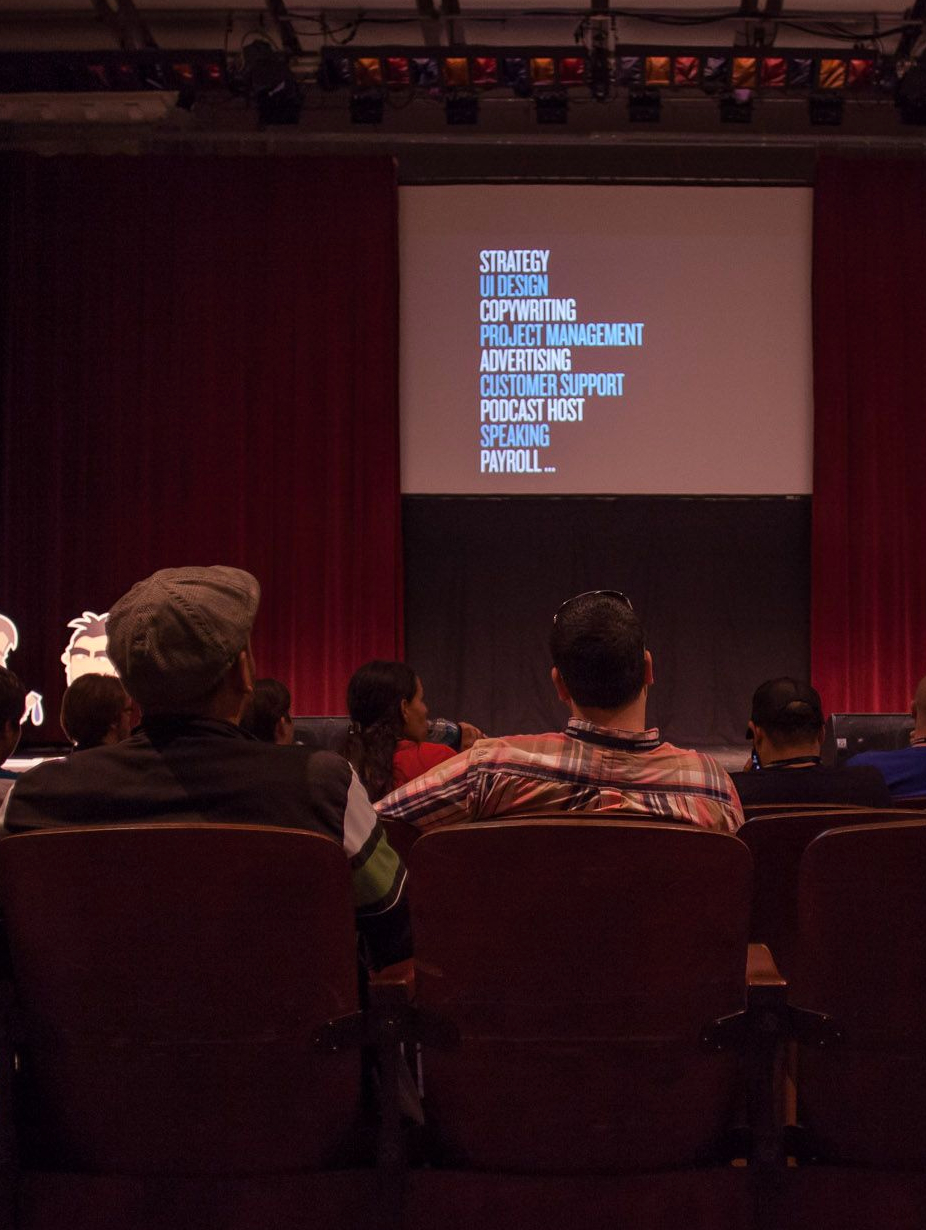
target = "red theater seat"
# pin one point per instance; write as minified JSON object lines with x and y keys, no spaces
{"x":777,"y":842}
{"x":858,"y":1013}
{"x":581,"y":980}
{"x":172,"y":982}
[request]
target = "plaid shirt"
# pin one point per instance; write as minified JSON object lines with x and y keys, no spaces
{"x":586,"y":768}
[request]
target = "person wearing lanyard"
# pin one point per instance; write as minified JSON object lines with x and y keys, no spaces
{"x":786,"y":731}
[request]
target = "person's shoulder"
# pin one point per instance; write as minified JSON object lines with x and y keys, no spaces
{"x":689,"y":757}
{"x":320,"y":765}
{"x":873,"y":759}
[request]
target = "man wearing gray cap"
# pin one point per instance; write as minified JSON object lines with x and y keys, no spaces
{"x":180,"y":641}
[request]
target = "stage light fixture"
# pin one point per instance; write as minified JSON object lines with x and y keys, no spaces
{"x":774,"y":73}
{"x":832,"y":74}
{"x":686,"y":70}
{"x":366,"y":107}
{"x":461,"y":108}
{"x":910,"y":95}
{"x":715,"y":74}
{"x":644,"y":105}
{"x":484,"y":71}
{"x":552,"y":106}
{"x":271,"y":83}
{"x":630,"y":71}
{"x":800,"y":71}
{"x":425,"y":72}
{"x":826,"y":109}
{"x":456,"y":72}
{"x":516,"y":75}
{"x":736,"y":107}
{"x":334,"y":71}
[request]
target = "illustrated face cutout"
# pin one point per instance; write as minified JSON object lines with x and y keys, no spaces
{"x":9,"y":639}
{"x":85,"y":653}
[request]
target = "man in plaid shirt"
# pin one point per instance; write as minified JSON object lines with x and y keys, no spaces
{"x":605,"y":761}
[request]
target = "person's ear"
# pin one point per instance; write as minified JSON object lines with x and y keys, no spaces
{"x":648,"y":678}
{"x":243,"y":672}
{"x":561,"y":690}
{"x":752,"y":730}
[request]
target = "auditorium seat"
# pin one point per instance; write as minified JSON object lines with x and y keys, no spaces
{"x":754,"y":810}
{"x":401,"y":836}
{"x":777,"y":842}
{"x":858,"y":1013}
{"x":174,"y":985}
{"x":583,"y":982}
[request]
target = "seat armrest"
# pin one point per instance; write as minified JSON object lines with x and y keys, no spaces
{"x":766,"y":1000}
{"x":393,"y":983}
{"x":762,"y":973}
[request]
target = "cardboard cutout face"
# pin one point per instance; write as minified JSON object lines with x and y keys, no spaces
{"x":9,"y":639}
{"x":85,"y":653}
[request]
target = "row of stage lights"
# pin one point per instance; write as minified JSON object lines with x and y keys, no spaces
{"x":551,"y":78}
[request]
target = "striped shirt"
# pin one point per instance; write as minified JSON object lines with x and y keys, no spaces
{"x":585,"y":768}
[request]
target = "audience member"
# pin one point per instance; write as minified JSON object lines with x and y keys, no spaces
{"x":267,"y":713}
{"x":96,"y":710}
{"x":904,"y":770}
{"x":786,"y":730}
{"x":605,"y":762}
{"x":12,"y":706}
{"x":388,"y":738}
{"x":181,"y":643}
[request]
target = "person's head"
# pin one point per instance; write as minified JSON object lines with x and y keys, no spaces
{"x":787,"y":719}
{"x":266,"y":715}
{"x":600,"y":661}
{"x":9,"y":638}
{"x":180,"y":641}
{"x":918,"y":709}
{"x":85,"y":653}
{"x":96,"y":709}
{"x":12,"y":707}
{"x":388,"y":694}
{"x":385,"y":701}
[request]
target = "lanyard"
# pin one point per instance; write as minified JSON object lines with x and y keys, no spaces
{"x":792,"y":761}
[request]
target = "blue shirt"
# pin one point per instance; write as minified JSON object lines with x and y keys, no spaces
{"x":904,"y":770}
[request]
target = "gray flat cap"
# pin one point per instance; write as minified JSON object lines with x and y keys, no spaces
{"x":173,"y":636}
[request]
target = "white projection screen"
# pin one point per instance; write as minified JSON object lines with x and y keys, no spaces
{"x":569,"y":340}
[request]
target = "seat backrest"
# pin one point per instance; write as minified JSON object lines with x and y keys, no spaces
{"x":755,"y":810}
{"x":861,"y":959}
{"x":170,"y":978}
{"x":580,"y":961}
{"x":777,"y":843}
{"x":401,"y":836}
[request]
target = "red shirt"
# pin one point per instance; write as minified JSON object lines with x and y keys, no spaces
{"x":412,"y":759}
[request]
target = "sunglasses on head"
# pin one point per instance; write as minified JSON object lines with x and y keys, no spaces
{"x":596,"y":593}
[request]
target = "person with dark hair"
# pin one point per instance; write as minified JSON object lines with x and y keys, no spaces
{"x":267,"y":713}
{"x":786,"y":730}
{"x":606,"y":762}
{"x":387,"y":742}
{"x":181,"y":641}
{"x":96,"y":711}
{"x":12,"y":708}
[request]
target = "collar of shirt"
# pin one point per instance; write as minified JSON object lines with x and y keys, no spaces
{"x":609,"y":736}
{"x":163,"y":726}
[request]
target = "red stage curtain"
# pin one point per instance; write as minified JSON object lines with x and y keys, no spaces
{"x":868,"y":621}
{"x":200,"y":366}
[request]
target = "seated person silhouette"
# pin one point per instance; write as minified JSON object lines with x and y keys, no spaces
{"x":606,"y":761}
{"x":786,"y":729}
